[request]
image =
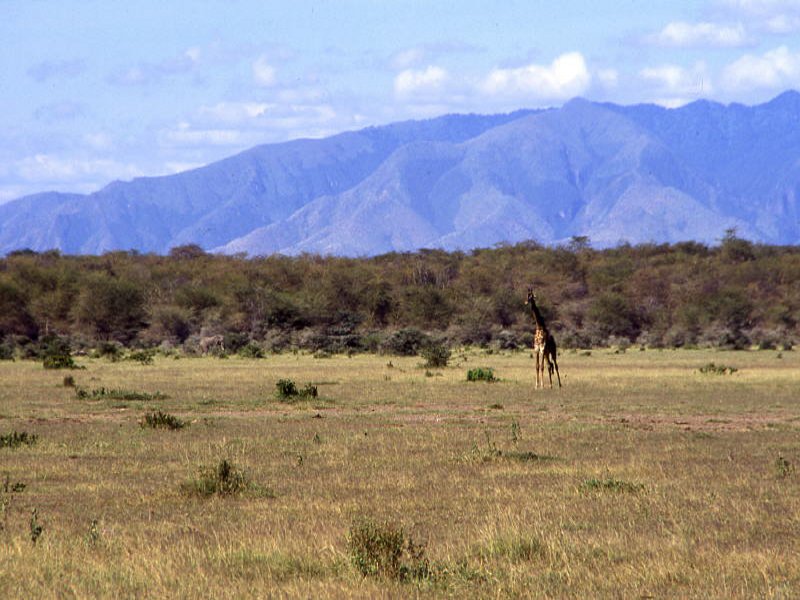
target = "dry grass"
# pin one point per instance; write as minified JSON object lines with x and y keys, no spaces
{"x":642,"y":477}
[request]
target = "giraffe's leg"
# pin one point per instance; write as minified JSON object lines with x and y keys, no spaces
{"x":537,"y":369}
{"x":550,"y":370}
{"x":555,"y":362}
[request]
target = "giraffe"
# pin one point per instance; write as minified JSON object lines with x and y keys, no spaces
{"x":544,"y":345}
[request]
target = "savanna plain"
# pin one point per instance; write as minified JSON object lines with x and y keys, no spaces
{"x":650,"y":474}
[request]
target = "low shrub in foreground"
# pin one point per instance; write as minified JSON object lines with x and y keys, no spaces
{"x":481,"y":374}
{"x":59,"y":361}
{"x":611,"y":485}
{"x":287,"y":391}
{"x":162,"y":420}
{"x":16,"y":439}
{"x":384,"y":550}
{"x":143,"y":357}
{"x":436,"y":355}
{"x":110,"y":394}
{"x":713,"y":369}
{"x":223,"y":479}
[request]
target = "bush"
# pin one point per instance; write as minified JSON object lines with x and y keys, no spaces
{"x":15,"y":439}
{"x":251,"y":350}
{"x":383,"y":550}
{"x":6,"y":351}
{"x":59,"y":361}
{"x":286,"y":390}
{"x":611,"y":485}
{"x":56,"y":354}
{"x":144,"y":357}
{"x":162,"y":420}
{"x":110,"y":350}
{"x":481,"y":374}
{"x":436,"y":355}
{"x":713,"y":369}
{"x":110,"y":394}
{"x":224,"y":479}
{"x":405,"y":342}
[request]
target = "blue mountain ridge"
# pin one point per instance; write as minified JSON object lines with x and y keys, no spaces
{"x":615,"y":173}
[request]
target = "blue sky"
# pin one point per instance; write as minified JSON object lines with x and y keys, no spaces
{"x":97,"y":91}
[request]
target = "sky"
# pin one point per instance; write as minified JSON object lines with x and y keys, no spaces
{"x":96,"y":91}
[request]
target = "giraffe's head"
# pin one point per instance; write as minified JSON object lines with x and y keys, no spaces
{"x":531,"y":297}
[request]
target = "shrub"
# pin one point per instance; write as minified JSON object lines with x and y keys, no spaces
{"x":144,"y":357}
{"x":251,"y":350}
{"x":714,"y":369}
{"x":383,"y":550}
{"x":481,"y":374}
{"x":224,"y":479}
{"x":15,"y":439}
{"x":110,"y":394}
{"x":162,"y":420}
{"x":6,"y":351}
{"x":611,"y":485}
{"x":286,"y":390}
{"x":405,"y":342}
{"x":436,"y":355}
{"x":35,"y":527}
{"x":110,"y":350}
{"x":783,"y":468}
{"x":59,"y":361}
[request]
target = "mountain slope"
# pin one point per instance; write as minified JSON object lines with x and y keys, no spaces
{"x":211,"y":205}
{"x":634,"y":173}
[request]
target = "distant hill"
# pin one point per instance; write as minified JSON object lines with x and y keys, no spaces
{"x":614,"y":173}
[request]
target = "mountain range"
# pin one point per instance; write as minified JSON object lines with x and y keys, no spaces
{"x":614,"y":173}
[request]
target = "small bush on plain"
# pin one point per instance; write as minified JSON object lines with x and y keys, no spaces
{"x":162,"y":420}
{"x":251,"y":350}
{"x":481,"y":374}
{"x":111,"y":394}
{"x":223,"y":479}
{"x":16,"y":439}
{"x":384,"y":550}
{"x":287,"y":391}
{"x":714,"y":369}
{"x":436,"y":355}
{"x":612,"y":485}
{"x":143,"y":357}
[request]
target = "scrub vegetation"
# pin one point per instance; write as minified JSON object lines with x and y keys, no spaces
{"x":122,"y":305}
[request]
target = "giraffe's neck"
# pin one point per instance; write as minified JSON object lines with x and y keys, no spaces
{"x":537,"y":316}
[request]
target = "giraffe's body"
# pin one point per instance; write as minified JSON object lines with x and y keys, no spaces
{"x":544,"y":345}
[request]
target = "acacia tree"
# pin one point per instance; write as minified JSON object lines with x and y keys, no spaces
{"x":113,"y":308}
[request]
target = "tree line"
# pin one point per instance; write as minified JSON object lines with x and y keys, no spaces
{"x":736,"y":294}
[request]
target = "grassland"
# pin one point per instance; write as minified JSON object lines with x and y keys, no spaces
{"x":641,"y":478}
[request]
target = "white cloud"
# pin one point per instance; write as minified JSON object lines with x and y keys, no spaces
{"x":680,"y":34}
{"x":147,"y":73}
{"x":776,"y":69}
{"x":49,"y":168}
{"x":98,"y":141}
{"x":674,"y":85}
{"x":186,"y":135}
{"x":565,"y":77}
{"x":416,"y":81}
{"x":50,"y":69}
{"x":770,"y":16}
{"x":263,"y":72}
{"x":405,"y":59}
{"x":234,"y":112}
{"x":608,"y":78}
